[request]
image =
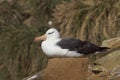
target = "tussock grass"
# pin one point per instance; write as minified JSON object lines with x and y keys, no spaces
{"x":19,"y":55}
{"x":20,"y":22}
{"x":89,"y":20}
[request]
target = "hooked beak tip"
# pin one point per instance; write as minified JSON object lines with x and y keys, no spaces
{"x":41,"y":38}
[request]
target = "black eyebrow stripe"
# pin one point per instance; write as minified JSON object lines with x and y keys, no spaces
{"x":51,"y":32}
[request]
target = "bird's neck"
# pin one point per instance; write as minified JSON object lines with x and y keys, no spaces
{"x":53,"y":39}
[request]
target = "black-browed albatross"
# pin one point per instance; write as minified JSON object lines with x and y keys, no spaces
{"x":53,"y":46}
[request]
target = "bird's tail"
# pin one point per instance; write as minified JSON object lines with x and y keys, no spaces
{"x":104,"y":48}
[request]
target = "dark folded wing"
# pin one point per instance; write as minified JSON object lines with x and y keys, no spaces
{"x":71,"y":44}
{"x":83,"y":47}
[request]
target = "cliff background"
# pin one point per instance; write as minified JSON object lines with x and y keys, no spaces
{"x":22,"y":20}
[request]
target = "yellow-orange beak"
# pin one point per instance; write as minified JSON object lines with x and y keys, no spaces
{"x":41,"y":38}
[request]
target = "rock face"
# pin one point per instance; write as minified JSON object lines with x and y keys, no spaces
{"x":111,"y":61}
{"x":100,"y":76}
{"x":112,"y":43}
{"x":67,"y":69}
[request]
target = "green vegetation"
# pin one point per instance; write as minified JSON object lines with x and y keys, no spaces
{"x":19,"y":55}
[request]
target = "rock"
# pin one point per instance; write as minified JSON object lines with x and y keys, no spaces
{"x":115,"y":77}
{"x":109,"y":63}
{"x":112,"y":43}
{"x":116,"y":70}
{"x":100,"y":76}
{"x":115,"y":73}
{"x":67,"y":69}
{"x":110,"y":60}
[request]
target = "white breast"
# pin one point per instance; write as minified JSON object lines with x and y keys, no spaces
{"x":51,"y":49}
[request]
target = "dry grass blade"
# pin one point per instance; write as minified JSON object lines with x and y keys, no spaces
{"x":96,"y":21}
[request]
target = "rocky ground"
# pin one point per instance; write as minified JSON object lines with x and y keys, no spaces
{"x":102,"y":66}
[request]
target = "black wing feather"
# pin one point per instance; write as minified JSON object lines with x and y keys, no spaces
{"x":71,"y":44}
{"x":83,"y":47}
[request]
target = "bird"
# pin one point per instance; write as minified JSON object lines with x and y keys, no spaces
{"x":54,"y":46}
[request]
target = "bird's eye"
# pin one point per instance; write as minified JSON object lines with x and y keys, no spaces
{"x":51,"y":32}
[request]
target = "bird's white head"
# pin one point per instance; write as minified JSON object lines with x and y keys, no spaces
{"x":52,"y":33}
